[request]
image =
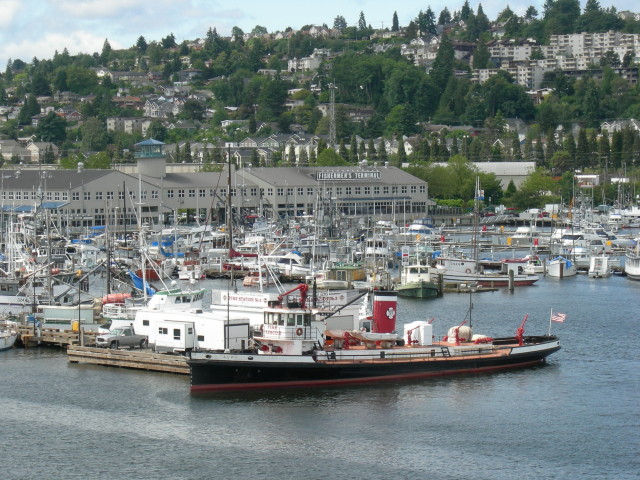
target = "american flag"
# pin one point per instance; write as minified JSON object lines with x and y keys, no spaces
{"x":558,"y":317}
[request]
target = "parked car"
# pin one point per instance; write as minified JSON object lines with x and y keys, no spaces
{"x":122,"y":337}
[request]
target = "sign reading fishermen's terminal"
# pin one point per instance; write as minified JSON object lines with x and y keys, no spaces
{"x":349,"y":175}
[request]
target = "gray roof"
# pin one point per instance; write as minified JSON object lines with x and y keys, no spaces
{"x":28,"y":179}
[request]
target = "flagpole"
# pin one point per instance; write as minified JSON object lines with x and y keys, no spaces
{"x":550,"y":317}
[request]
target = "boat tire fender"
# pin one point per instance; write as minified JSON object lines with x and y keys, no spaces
{"x":468,"y":270}
{"x":299,"y":331}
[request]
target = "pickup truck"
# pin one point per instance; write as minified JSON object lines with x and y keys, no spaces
{"x":121,"y":337}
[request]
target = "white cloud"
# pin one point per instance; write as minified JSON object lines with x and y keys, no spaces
{"x":11,"y":10}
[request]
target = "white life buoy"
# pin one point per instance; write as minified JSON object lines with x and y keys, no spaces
{"x":299,"y":331}
{"x":468,"y":270}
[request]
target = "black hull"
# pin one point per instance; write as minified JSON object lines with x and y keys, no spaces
{"x":220,"y":375}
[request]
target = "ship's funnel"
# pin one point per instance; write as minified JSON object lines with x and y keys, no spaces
{"x":384,"y":311}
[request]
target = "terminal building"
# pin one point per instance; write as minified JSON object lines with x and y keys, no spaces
{"x":82,"y":199}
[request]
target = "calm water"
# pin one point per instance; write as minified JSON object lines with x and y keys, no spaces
{"x":578,"y":417}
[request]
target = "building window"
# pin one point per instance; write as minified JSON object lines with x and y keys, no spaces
{"x":357,"y":190}
{"x":367,"y":190}
{"x":300,"y":191}
{"x":65,"y":196}
{"x":202,"y":193}
{"x":385,"y":190}
{"x":280,"y":191}
{"x":109,"y":195}
{"x":376,"y":190}
{"x":120,"y":195}
{"x":169,"y":193}
{"x":132,"y":194}
{"x":154,"y":194}
{"x":338,"y":191}
{"x":18,"y":195}
{"x":75,"y":196}
{"x":143,"y":195}
{"x":290,"y":191}
{"x":192,"y":193}
{"x":414,"y":189}
{"x":270,"y":191}
{"x":254,"y":191}
{"x":403,"y":189}
{"x":310,"y":191}
{"x":98,"y":195}
{"x":347,"y":190}
{"x":233,"y":192}
{"x":423,"y":188}
{"x":56,"y":196}
{"x":394,"y":189}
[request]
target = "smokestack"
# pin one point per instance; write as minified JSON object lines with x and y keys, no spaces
{"x":384,"y":311}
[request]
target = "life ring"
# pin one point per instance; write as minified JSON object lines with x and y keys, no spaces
{"x":468,"y":270}
{"x":299,"y":331}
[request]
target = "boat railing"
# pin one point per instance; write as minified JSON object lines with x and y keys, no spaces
{"x":119,"y":310}
{"x":435,"y":352}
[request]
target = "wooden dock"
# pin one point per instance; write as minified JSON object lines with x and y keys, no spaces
{"x":55,"y":337}
{"x":134,"y":359}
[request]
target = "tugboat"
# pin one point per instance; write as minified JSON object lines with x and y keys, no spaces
{"x":294,"y":348}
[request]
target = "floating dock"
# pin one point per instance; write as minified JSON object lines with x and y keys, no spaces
{"x":134,"y":359}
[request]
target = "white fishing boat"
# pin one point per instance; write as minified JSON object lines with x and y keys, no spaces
{"x":561,"y":267}
{"x":8,"y":337}
{"x":632,"y":262}
{"x":599,"y":267}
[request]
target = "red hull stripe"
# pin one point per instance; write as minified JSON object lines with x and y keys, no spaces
{"x":352,"y":381}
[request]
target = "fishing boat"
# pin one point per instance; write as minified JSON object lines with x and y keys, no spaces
{"x":298,"y":350}
{"x":415,"y":281}
{"x":632,"y":262}
{"x":8,"y":337}
{"x":561,"y":267}
{"x":599,"y":266}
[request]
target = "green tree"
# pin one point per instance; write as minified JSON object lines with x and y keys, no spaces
{"x":395,"y":27}
{"x":329,"y":158}
{"x":443,"y":63}
{"x":141,"y":45}
{"x":94,"y":135}
{"x":52,"y":128}
{"x":157,"y":130}
{"x":105,"y":55}
{"x":30,"y":108}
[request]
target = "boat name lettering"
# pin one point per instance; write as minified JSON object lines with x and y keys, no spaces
{"x":339,"y":175}
{"x":241,"y":299}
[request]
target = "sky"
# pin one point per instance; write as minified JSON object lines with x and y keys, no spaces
{"x":39,"y":28}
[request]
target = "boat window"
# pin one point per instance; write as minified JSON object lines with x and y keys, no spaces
{"x":413,"y":270}
{"x":291,"y":320}
{"x":300,"y":319}
{"x":176,"y":334}
{"x":307,"y":319}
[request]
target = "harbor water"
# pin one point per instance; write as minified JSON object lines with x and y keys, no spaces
{"x":577,"y":417}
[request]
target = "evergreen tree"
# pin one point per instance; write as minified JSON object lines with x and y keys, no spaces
{"x":604,"y":151}
{"x":362,"y":150}
{"x":303,"y":161}
{"x":382,"y":151}
{"x":255,"y":158}
{"x":372,"y":155}
{"x":105,"y":56}
{"x":291,"y":156}
{"x":402,"y":153}
{"x":582,"y":149}
{"x":141,"y":45}
{"x":443,"y":64}
{"x":362,"y":23}
{"x":30,"y":108}
{"x":353,"y":149}
{"x":186,"y":154}
{"x":445,"y":17}
{"x":342,"y":150}
{"x":395,"y":27}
